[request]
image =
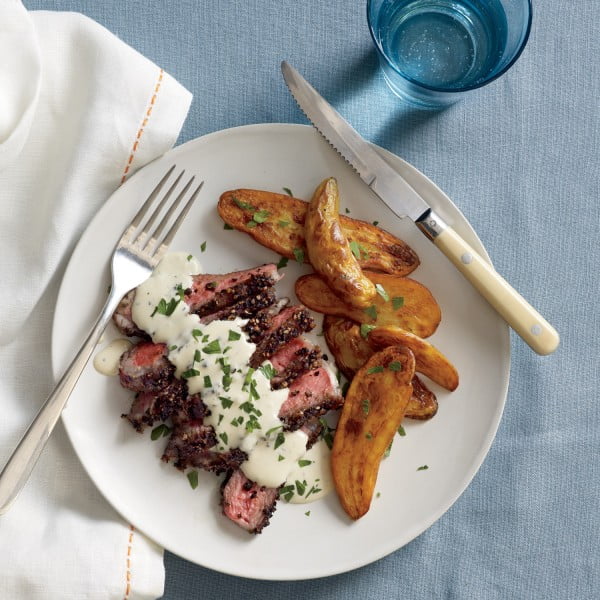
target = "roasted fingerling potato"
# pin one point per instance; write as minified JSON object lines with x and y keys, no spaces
{"x":351,"y":350}
{"x":375,"y":405}
{"x":429,"y":360}
{"x":328,"y":250}
{"x":276,"y":221}
{"x":400,"y":301}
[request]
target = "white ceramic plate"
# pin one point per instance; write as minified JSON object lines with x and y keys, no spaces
{"x":156,"y":498}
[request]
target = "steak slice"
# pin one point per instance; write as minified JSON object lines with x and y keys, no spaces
{"x":212,"y":294}
{"x":145,"y":368}
{"x":190,"y":445}
{"x":312,"y":394}
{"x":284,"y":327}
{"x":149,"y":407}
{"x":293,"y":359}
{"x":247,"y":504}
{"x":245,"y":308}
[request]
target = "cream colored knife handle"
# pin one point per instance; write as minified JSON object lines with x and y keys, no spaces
{"x":511,"y":306}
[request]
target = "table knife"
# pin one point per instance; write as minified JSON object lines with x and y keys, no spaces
{"x":404,"y":201}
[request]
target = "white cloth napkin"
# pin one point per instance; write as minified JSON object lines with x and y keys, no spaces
{"x":79,"y":112}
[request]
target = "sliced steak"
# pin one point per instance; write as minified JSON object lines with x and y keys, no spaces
{"x":259,"y":324}
{"x":312,"y":394}
{"x":210,"y":294}
{"x":247,"y":504}
{"x":145,"y":368}
{"x":245,"y":308}
{"x":149,"y":407}
{"x":192,"y":445}
{"x":284,"y":327}
{"x":293,"y":359}
{"x":191,"y":409}
{"x":312,"y":428}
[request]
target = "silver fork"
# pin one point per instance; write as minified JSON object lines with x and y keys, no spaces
{"x":136,"y":254}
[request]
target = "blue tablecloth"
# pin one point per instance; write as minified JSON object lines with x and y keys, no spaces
{"x":520,"y":157}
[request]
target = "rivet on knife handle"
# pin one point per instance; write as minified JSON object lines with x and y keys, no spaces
{"x":513,"y":308}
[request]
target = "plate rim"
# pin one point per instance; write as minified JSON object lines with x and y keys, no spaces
{"x":487,"y":441}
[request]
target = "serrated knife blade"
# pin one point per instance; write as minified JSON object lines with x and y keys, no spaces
{"x":403,"y":200}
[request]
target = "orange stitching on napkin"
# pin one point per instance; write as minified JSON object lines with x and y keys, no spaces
{"x":142,"y":126}
{"x":128,"y":563}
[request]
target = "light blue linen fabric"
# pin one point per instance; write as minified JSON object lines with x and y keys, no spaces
{"x":521,"y":159}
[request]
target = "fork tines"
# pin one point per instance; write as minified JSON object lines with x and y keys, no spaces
{"x":149,"y":240}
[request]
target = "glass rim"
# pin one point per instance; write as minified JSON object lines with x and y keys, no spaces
{"x":468,"y":88}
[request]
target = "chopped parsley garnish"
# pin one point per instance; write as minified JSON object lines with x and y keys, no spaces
{"x":173,"y":347}
{"x":371,"y":311}
{"x":268,"y":370}
{"x":273,"y":430}
{"x":307,"y":513}
{"x":366,"y":406}
{"x":226,"y":402}
{"x":189,"y":257}
{"x":313,"y":490}
{"x":347,"y":211}
{"x":279,"y":440}
{"x":301,"y":487}
{"x":196,"y":333}
{"x":375,"y":223}
{"x":190,"y":373}
{"x":283,"y":261}
{"x":401,"y":431}
{"x":202,"y":246}
{"x":197,"y":355}
{"x":253,"y":391}
{"x":160,"y":431}
{"x":397,"y":302}
{"x":304,"y":462}
{"x":193,"y":479}
{"x":288,"y":191}
{"x":355,"y":249}
{"x":326,"y":433}
{"x":243,"y":205}
{"x":388,"y":450}
{"x":224,"y":437}
{"x":251,"y":224}
{"x":233,"y":336}
{"x":212,"y":348}
{"x":228,"y":226}
{"x":252,"y":424}
{"x":381,"y":291}
{"x":247,"y":379}
{"x":369,"y":435}
{"x":283,"y":223}
{"x":423,"y":468}
{"x":375,"y":369}
{"x":280,"y":458}
{"x":395,"y":366}
{"x":299,"y":255}
{"x":366,"y":329}
{"x":260,"y":216}
{"x":207,"y":381}
{"x":287,"y":491}
{"x":165,"y":308}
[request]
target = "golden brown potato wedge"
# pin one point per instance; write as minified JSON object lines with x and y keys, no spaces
{"x":280,"y":227}
{"x":373,"y":410}
{"x":402,"y":302}
{"x":423,"y":404}
{"x":329,"y":251}
{"x":430,"y":361}
{"x":351,"y":351}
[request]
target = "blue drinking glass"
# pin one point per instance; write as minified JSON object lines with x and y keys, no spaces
{"x":433,"y":51}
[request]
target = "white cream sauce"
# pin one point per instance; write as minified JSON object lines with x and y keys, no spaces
{"x":106,"y":361}
{"x":214,"y":360}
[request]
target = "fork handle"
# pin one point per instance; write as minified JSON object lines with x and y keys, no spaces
{"x":20,"y":464}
